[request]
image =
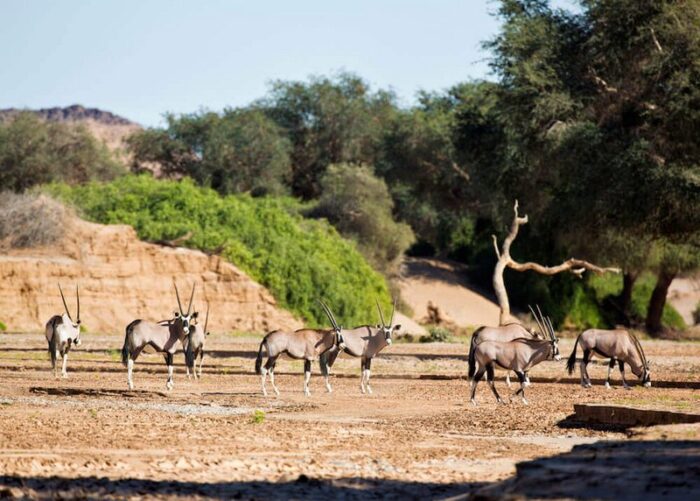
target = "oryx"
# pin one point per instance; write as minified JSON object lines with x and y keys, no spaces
{"x":194,"y":347}
{"x":619,"y":346}
{"x":365,"y":342}
{"x":518,"y":355}
{"x":506,"y":332}
{"x":302,"y":344}
{"x":62,"y":333}
{"x":166,"y":337}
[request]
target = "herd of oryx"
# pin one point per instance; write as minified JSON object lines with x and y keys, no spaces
{"x":512,"y":347}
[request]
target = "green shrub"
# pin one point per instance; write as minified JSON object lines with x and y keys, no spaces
{"x":3,"y":327}
{"x":258,"y":417}
{"x":437,"y":335}
{"x":696,"y":314}
{"x":298,"y":260}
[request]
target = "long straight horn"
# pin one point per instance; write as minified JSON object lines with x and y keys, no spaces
{"x":638,"y":345}
{"x":381,"y":315}
{"x":329,"y":314}
{"x":544,"y":321}
{"x":551,"y":328}
{"x":189,"y":306}
{"x":177,"y":294}
{"x":537,"y":320}
{"x":393,"y":310}
{"x":206,"y":320}
{"x":64,"y":301}
{"x":77,"y":298}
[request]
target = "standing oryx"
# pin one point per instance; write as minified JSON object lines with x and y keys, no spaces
{"x":506,"y":332}
{"x":306,"y":344}
{"x":164,"y":336}
{"x":62,"y":332}
{"x":364,"y":342}
{"x":518,"y":355}
{"x":620,"y":346}
{"x":194,"y":347}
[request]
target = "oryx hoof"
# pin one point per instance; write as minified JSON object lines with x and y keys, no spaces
{"x":627,"y":387}
{"x":130,"y":386}
{"x":329,"y":389}
{"x":64,"y":375}
{"x":264,"y":392}
{"x":501,"y":401}
{"x":473,"y":402}
{"x":169,"y":385}
{"x":277,"y":392}
{"x":527,"y":383}
{"x":525,"y":402}
{"x":369,"y":390}
{"x":307,"y":393}
{"x":362,"y":389}
{"x":607,"y":385}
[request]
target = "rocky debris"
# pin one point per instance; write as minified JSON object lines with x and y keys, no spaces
{"x":71,"y":113}
{"x":122,"y":278}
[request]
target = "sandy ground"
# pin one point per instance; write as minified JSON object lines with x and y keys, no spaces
{"x":416,"y":436}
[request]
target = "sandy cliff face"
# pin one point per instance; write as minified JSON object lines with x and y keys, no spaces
{"x":122,"y":278}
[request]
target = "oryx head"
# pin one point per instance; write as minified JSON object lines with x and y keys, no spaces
{"x":547,"y":330}
{"x":643,"y":372}
{"x":389,"y":329}
{"x":74,"y":323}
{"x":339,"y":342}
{"x":185,"y":317}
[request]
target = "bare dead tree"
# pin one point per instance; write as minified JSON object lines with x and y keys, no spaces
{"x":575,"y":266}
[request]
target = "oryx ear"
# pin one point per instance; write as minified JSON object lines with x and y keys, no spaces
{"x":397,"y":327}
{"x":177,"y":314}
{"x":194,"y":315}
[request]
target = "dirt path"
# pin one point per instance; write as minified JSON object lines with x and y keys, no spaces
{"x":413,"y":436}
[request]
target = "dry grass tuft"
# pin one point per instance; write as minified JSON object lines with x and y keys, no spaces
{"x":31,"y":220}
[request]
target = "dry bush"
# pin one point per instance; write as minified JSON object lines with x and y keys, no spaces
{"x":31,"y":220}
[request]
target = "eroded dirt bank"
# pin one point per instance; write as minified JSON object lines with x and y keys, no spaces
{"x":122,"y":278}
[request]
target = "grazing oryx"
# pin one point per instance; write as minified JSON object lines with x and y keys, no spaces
{"x":306,"y":344}
{"x":506,"y":332}
{"x":518,"y":355}
{"x":364,"y":342}
{"x":62,"y":332}
{"x":620,"y":346}
{"x":194,"y":347}
{"x":164,"y":336}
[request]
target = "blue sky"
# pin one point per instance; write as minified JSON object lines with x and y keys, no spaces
{"x":140,"y":59}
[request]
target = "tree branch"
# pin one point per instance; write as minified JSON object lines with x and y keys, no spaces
{"x":575,"y":266}
{"x":460,"y":171}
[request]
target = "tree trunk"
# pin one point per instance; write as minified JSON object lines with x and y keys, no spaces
{"x":575,"y":266}
{"x":625,"y":297}
{"x":658,"y":301}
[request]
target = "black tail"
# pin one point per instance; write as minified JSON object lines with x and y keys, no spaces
{"x":572,"y":358}
{"x":258,"y":360}
{"x":125,"y":349}
{"x":189,"y":351}
{"x":52,"y":342}
{"x":472,"y":354}
{"x":323,"y":363}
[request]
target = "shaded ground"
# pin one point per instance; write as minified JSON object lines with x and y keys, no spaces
{"x":416,"y":437}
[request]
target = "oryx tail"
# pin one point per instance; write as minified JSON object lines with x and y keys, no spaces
{"x":126,"y":349}
{"x":258,"y":359}
{"x":189,"y":351}
{"x":51,"y":326}
{"x":572,"y":358}
{"x":472,"y":352}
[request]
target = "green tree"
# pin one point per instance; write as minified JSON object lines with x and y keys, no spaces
{"x":359,"y":205}
{"x":238,"y":151}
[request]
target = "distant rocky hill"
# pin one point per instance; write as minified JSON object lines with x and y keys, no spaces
{"x":74,"y":113}
{"x":104,"y":125}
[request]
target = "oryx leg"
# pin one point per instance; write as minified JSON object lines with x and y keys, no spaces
{"x":270,"y":367}
{"x":169,"y":361}
{"x":475,"y":380}
{"x":55,"y":365}
{"x":585,"y":379}
{"x":523,"y":383}
{"x":490,"y":380}
{"x":622,"y":373}
{"x":508,"y":379}
{"x":363,"y":366}
{"x":330,"y":360}
{"x":64,"y":372}
{"x":307,"y":377}
{"x":368,"y":365}
{"x":130,"y":373}
{"x":611,"y":364}
{"x":201,"y":361}
{"x":527,"y":379}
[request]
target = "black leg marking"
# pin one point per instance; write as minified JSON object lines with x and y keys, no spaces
{"x":307,"y":365}
{"x":489,"y":378}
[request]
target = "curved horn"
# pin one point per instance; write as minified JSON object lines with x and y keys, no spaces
{"x":638,"y":346}
{"x":177,"y":294}
{"x":206,"y":320}
{"x":381,"y":315}
{"x":189,"y":306}
{"x":77,"y":298}
{"x":329,"y":314}
{"x":393,"y":310}
{"x":64,"y":301}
